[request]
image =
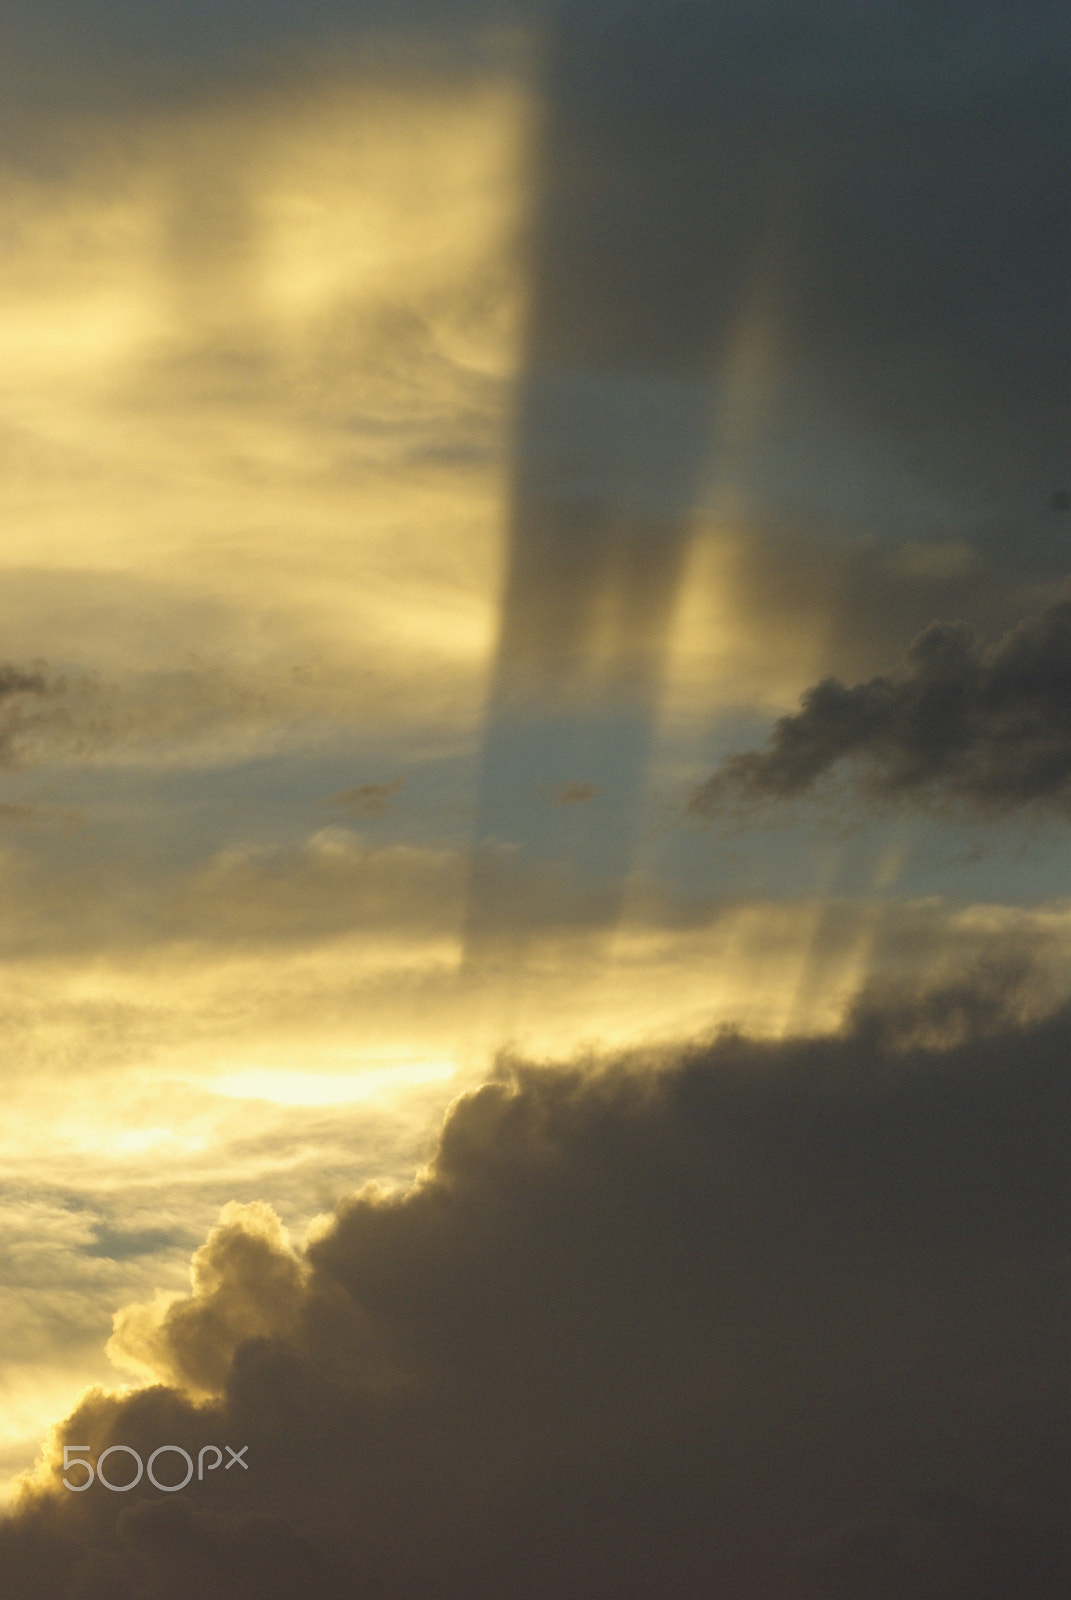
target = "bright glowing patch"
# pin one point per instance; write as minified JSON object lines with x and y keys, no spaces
{"x":117,"y":1143}
{"x":290,"y":1087}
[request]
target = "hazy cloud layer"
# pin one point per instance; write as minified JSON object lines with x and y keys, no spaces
{"x":771,"y":1320}
{"x":256,"y":360}
{"x":989,"y":727}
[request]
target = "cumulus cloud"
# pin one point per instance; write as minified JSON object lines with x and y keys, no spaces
{"x":246,"y":1283}
{"x":767,"y":1320}
{"x":988,"y":727}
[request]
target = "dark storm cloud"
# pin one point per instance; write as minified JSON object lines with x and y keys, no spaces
{"x":775,"y":1319}
{"x":988,"y":727}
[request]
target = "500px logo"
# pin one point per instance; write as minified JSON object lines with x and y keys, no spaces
{"x":74,"y":1456}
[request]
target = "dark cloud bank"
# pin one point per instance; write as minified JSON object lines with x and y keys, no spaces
{"x":960,"y":722}
{"x":766,"y":1322}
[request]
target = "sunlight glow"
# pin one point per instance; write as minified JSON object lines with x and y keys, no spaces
{"x":291,"y":1087}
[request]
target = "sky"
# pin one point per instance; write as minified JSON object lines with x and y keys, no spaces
{"x":535,"y":776}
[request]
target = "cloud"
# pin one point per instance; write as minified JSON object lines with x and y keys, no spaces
{"x":274,"y":333}
{"x":984,"y":727}
{"x":326,"y":886}
{"x":931,"y":1544}
{"x":368,"y":799}
{"x":14,"y":681}
{"x":747,"y":1321}
{"x":81,"y":716}
{"x":246,"y":1284}
{"x":270,"y":344}
{"x":22,"y":715}
{"x":575,"y":793}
